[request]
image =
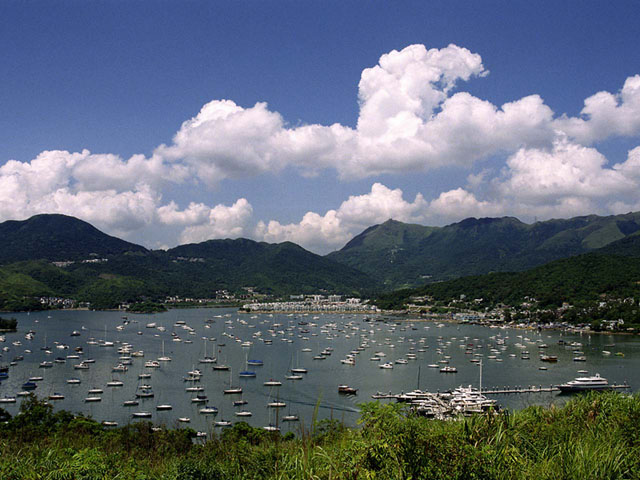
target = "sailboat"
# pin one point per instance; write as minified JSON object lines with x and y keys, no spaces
{"x":221,"y":366}
{"x":105,"y":343}
{"x":222,"y":422}
{"x":298,"y":369}
{"x":164,"y":358}
{"x":232,"y":390}
{"x":207,"y":359}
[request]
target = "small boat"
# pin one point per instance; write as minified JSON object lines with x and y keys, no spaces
{"x":448,"y":369}
{"x":387,"y":365}
{"x":164,"y":407}
{"x":276,"y":404}
{"x":184,"y":419}
{"x":549,"y":358}
{"x":347,"y":390}
{"x":144,"y":392}
{"x":290,"y":418}
{"x":73,"y":381}
{"x":109,"y":423}
{"x":293,"y":377}
{"x":92,"y":399}
{"x":209,"y":410}
{"x":272,"y":383}
{"x":199,"y":398}
{"x":115,"y":383}
{"x":141,"y":415}
{"x":243,"y":413}
{"x":7,"y":399}
{"x":233,"y":390}
{"x":222,"y":423}
{"x":247,"y":374}
{"x":56,"y":396}
{"x":30,"y":385}
{"x":131,"y":403}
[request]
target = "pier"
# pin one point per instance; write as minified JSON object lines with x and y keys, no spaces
{"x":493,"y":391}
{"x":536,"y":389}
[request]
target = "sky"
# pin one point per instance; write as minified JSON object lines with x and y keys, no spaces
{"x":171,"y":122}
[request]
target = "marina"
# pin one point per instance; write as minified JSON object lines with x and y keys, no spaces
{"x":282,"y":347}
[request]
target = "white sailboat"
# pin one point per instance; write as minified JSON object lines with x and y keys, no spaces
{"x":232,"y":390}
{"x":164,"y":358}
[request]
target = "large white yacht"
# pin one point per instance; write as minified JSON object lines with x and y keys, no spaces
{"x":595,"y":382}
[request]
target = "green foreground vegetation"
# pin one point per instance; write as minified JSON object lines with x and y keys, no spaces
{"x":592,"y":436}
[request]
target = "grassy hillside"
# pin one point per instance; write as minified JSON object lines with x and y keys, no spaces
{"x":592,"y":437}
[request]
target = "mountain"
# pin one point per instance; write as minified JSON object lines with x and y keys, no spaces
{"x":404,"y":255}
{"x":57,"y":238}
{"x":612,"y":270}
{"x":578,"y":280}
{"x":127,"y":273}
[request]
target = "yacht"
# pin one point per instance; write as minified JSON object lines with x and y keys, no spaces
{"x":585,"y":383}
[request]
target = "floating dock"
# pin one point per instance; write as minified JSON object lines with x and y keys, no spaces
{"x":538,"y":389}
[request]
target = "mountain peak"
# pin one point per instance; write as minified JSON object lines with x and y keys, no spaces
{"x":56,"y":237}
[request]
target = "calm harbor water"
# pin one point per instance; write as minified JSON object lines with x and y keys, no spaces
{"x":295,"y":341}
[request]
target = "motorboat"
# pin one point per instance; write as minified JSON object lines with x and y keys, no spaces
{"x":347,"y":390}
{"x":579,"y":384}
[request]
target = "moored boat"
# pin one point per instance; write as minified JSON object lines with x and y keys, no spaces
{"x":580,"y":384}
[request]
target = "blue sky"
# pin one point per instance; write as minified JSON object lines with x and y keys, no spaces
{"x":95,"y":95}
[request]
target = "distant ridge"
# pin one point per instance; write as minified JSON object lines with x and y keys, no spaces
{"x":405,"y":255}
{"x":132,"y":273}
{"x":56,"y":237}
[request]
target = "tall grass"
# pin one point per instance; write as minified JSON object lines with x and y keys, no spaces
{"x":596,"y":436}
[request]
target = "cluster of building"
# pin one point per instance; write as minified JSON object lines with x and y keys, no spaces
{"x":66,"y":263}
{"x":60,"y":302}
{"x":313,"y":304}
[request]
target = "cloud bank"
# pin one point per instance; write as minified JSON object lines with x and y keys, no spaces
{"x":412,"y":120}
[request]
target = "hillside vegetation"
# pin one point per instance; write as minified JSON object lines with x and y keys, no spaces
{"x":55,"y":238}
{"x":593,"y":436}
{"x":610,"y":272}
{"x":403,"y":255}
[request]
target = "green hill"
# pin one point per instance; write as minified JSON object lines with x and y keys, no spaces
{"x":613,"y":270}
{"x":129,"y":273}
{"x":405,"y":255}
{"x":57,"y":238}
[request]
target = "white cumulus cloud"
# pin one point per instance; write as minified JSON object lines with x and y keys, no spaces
{"x":412,"y":118}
